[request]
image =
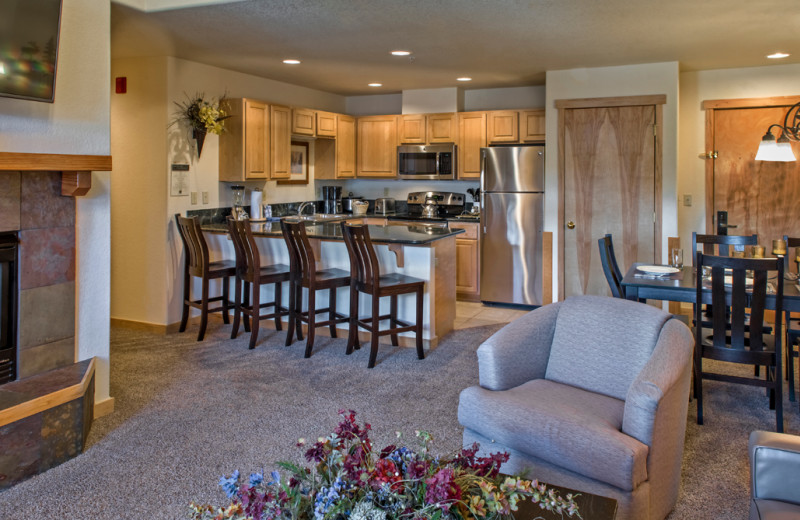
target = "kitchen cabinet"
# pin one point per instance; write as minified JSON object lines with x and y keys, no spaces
{"x":280,"y":141}
{"x":467,"y":261}
{"x":244,"y":145}
{"x":442,"y":128}
{"x":531,"y":125}
{"x":377,"y":146}
{"x":502,"y":126}
{"x":471,"y":138}
{"x":412,"y":129}
{"x":304,"y":122}
{"x":326,"y":124}
{"x":336,"y":158}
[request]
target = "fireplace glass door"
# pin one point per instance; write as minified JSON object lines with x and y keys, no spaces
{"x":8,"y":307}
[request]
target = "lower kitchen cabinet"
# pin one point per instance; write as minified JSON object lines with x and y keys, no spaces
{"x":467,"y":262}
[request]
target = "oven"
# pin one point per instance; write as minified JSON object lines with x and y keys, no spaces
{"x":426,"y":162}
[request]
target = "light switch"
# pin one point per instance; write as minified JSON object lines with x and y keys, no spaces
{"x":194,"y":198}
{"x":205,"y":197}
{"x":687,"y":199}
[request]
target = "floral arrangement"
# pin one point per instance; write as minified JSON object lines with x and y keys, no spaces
{"x":201,"y":114}
{"x":352,"y":481}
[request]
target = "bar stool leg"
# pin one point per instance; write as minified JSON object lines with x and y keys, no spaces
{"x":246,"y":305}
{"x":292,"y":313}
{"x":352,"y":336}
{"x":312,"y":312}
{"x":225,"y":299}
{"x":332,"y":311}
{"x":186,"y":298}
{"x":237,"y":307}
{"x":373,"y":351}
{"x":420,"y":350}
{"x":299,"y":303}
{"x":255,"y":310}
{"x":203,"y":311}
{"x":278,"y":301}
{"x":393,"y":318}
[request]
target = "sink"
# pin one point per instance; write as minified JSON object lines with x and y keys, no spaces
{"x":321,"y":217}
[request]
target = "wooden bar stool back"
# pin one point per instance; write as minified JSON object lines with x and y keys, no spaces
{"x":304,"y":273}
{"x":367,"y":278}
{"x":198,"y":264}
{"x":254,"y":275}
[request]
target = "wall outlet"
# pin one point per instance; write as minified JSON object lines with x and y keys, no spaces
{"x":194,"y":198}
{"x":687,"y":199}
{"x":205,"y":197}
{"x":385,"y":192}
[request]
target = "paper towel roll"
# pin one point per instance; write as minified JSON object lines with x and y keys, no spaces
{"x":256,"y":209}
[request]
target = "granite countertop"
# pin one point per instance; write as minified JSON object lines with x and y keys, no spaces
{"x":413,"y":234}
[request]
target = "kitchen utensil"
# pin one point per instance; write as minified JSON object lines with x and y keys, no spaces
{"x":347,"y":203}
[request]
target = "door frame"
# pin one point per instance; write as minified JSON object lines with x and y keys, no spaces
{"x":710,"y":106}
{"x":657,"y":101}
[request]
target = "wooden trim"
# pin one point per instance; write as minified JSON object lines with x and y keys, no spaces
{"x":561,"y":204}
{"x":75,"y":184}
{"x":547,"y":267}
{"x":46,"y":402}
{"x":709,"y":195}
{"x":397,"y":249}
{"x":153,"y":328}
{"x":104,"y":407}
{"x":11,"y":161}
{"x":658,"y":179}
{"x":777,"y":101}
{"x":623,"y":101}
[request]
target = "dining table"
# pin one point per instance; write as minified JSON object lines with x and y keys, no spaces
{"x":681,"y":286}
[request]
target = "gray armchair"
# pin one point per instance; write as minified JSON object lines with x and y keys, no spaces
{"x":775,"y":472}
{"x":591,"y":394}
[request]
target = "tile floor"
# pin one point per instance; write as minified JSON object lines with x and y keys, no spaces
{"x":476,"y":314}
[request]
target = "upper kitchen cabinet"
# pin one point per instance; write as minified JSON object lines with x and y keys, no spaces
{"x":503,"y":126}
{"x":326,"y":124}
{"x":442,"y":128}
{"x":336,"y":158}
{"x":471,"y":138}
{"x":280,"y":141}
{"x":412,"y":129}
{"x":304,"y":122}
{"x":244,"y":145}
{"x":377,"y":146}
{"x":531,"y":125}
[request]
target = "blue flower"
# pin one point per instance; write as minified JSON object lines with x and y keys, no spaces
{"x":276,"y":477}
{"x":256,"y":479}
{"x":230,"y":484}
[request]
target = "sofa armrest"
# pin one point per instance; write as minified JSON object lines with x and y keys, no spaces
{"x":518,"y":352}
{"x":668,"y":368}
{"x":775,"y":466}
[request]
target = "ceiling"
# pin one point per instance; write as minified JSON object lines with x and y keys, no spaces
{"x":344,"y":45}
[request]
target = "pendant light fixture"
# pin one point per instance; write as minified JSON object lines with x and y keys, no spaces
{"x":780,"y":149}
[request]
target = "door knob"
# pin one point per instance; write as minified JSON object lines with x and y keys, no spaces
{"x":570,"y":225}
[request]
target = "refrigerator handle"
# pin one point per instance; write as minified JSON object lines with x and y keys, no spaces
{"x":482,"y":193}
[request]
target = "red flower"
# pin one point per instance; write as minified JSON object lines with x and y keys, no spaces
{"x":386,"y":473}
{"x":442,"y":489}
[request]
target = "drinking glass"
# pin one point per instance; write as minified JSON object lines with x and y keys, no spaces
{"x":676,"y":257}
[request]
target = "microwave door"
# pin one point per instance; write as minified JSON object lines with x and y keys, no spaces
{"x":417,"y":163}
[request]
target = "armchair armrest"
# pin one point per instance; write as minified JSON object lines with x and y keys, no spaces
{"x":775,"y":466}
{"x":519,"y":351}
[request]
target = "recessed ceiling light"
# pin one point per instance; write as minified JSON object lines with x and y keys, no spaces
{"x":292,"y":62}
{"x":401,"y":53}
{"x":464,"y":79}
{"x":778,"y":55}
{"x":376,"y":84}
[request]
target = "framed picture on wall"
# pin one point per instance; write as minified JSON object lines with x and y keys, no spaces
{"x":298,"y":164}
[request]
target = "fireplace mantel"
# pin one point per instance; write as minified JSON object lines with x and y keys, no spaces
{"x":76,"y":170}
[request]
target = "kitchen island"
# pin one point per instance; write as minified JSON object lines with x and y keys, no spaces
{"x":419,"y":250}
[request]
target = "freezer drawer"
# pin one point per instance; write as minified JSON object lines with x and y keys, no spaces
{"x":511,"y":248}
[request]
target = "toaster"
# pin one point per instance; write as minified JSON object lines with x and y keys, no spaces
{"x":384,"y":206}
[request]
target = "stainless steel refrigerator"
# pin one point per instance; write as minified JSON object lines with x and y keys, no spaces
{"x":512,"y":219}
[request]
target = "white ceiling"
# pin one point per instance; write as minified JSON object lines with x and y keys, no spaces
{"x":344,"y":44}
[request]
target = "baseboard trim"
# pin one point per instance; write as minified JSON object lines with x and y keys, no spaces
{"x":104,"y":407}
{"x":155,"y":328}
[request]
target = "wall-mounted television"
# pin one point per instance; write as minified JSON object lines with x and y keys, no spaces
{"x":29,"y":48}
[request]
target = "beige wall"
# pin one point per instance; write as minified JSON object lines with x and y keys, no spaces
{"x":77,"y":122}
{"x":696,"y":87}
{"x":629,"y":80}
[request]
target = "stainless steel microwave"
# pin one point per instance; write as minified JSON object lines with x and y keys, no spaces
{"x":426,"y":162}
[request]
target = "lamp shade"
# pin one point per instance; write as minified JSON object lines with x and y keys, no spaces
{"x":784,"y":150}
{"x":768,"y":149}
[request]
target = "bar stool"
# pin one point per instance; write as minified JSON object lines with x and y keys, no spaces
{"x":198,"y":264}
{"x":304,"y":273}
{"x":367,"y":278}
{"x":254,"y":275}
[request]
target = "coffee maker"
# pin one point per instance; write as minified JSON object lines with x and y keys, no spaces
{"x":332,"y":199}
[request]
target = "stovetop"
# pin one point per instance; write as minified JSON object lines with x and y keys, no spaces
{"x":440,"y":218}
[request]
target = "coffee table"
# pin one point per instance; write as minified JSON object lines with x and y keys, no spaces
{"x":590,"y":507}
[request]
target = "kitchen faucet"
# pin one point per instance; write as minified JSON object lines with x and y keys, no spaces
{"x":304,"y":205}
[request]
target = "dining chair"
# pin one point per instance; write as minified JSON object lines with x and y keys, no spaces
{"x":252,"y":275}
{"x":366,"y":277}
{"x":304,"y":273}
{"x":792,"y":324}
{"x":728,"y":339}
{"x":722,"y":243}
{"x":198,"y":264}
{"x":610,"y":266}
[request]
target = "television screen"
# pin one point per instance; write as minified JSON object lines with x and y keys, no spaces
{"x":29,"y":48}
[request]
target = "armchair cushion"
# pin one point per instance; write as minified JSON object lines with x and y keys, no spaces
{"x":589,"y":351}
{"x":573,"y":428}
{"x":775,"y":472}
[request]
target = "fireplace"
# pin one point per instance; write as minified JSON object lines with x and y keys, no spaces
{"x":8,"y":306}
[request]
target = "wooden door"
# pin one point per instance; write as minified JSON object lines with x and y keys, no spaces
{"x":412,"y":129}
{"x":304,"y":122}
{"x":256,"y":135}
{"x":377,"y":146}
{"x":442,"y":128}
{"x":471,"y":138}
{"x":502,"y":126}
{"x":280,"y":141}
{"x":532,"y":126}
{"x":609,"y":186}
{"x":326,"y":124}
{"x":760,"y":196}
{"x":345,"y":147}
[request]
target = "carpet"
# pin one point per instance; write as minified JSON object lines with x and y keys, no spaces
{"x":187,"y":412}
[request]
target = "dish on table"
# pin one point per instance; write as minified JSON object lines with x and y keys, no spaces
{"x":657,"y":269}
